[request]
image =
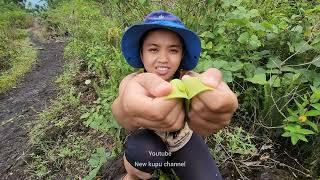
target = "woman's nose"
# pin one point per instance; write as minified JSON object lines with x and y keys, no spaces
{"x":163,"y":56}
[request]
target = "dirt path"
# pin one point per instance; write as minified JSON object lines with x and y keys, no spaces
{"x":21,"y":105}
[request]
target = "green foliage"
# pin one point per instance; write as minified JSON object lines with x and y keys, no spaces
{"x":163,"y":176}
{"x":268,"y":52}
{"x":61,"y":145}
{"x":303,"y":121}
{"x":16,"y":53}
{"x":96,"y":161}
{"x":20,"y":63}
{"x":229,"y":142}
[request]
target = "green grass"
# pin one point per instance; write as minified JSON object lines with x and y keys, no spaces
{"x":61,"y":145}
{"x":21,"y":63}
{"x":96,"y":32}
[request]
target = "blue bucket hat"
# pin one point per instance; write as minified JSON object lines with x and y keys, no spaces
{"x":130,"y":43}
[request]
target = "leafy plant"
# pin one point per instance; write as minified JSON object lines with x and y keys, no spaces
{"x":96,"y":161}
{"x":300,"y":124}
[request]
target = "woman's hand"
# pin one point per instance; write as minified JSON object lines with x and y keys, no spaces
{"x":210,"y":111}
{"x":141,"y":104}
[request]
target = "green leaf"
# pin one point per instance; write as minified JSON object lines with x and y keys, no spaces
{"x":296,"y":77}
{"x":209,"y":45}
{"x":249,"y":69}
{"x":178,"y":89}
{"x":274,"y":62}
{"x":302,"y":137}
{"x":207,"y":34}
{"x":260,"y":70}
{"x":194,"y":86}
{"x":258,"y":79}
{"x":313,"y":113}
{"x":316,"y":93}
{"x":317,"y":106}
{"x":254,"y":41}
{"x":294,"y":139}
{"x":302,"y":47}
{"x":85,"y":115}
{"x":288,"y":69}
{"x":298,"y":104}
{"x":305,"y":131}
{"x":219,"y":64}
{"x":292,"y":128}
{"x":253,"y":13}
{"x":187,"y":88}
{"x":102,"y":154}
{"x":267,"y":25}
{"x":239,"y":21}
{"x":227,"y":76}
{"x":233,"y":66}
{"x":313,"y":125}
{"x":286,"y":134}
{"x":96,"y":161}
{"x":292,"y":119}
{"x":316,"y":61}
{"x":244,"y":38}
{"x":297,"y":29}
{"x":142,"y":1}
{"x":292,"y":112}
{"x":275,"y":81}
{"x":257,"y":26}
{"x":273,"y":71}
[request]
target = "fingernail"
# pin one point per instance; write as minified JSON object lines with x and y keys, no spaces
{"x":185,"y":76}
{"x":209,"y":81}
{"x":163,"y":89}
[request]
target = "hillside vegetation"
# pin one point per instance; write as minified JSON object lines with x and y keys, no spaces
{"x":16,"y":52}
{"x":268,"y":52}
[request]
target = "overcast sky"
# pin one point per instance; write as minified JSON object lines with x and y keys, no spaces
{"x":34,"y":2}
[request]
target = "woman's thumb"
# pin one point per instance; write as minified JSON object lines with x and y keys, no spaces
{"x":154,"y":84}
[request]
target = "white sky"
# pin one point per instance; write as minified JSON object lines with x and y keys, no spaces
{"x":34,"y":2}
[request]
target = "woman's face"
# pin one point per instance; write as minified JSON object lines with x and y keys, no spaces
{"x":161,"y":53}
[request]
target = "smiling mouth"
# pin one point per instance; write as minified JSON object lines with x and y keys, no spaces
{"x":162,"y":70}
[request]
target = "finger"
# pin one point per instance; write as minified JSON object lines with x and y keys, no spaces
{"x":147,"y":123}
{"x":201,"y":109}
{"x":179,"y":120}
{"x":192,"y":74}
{"x":154,"y":84}
{"x":154,"y":119}
{"x":185,"y":76}
{"x":160,"y":108}
{"x":172,"y":116}
{"x":219,"y":101}
{"x":197,"y":105}
{"x":137,"y":103}
{"x":204,"y":127}
{"x":222,"y":119}
{"x":212,"y":77}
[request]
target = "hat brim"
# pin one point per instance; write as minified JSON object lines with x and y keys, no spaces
{"x":131,"y":39}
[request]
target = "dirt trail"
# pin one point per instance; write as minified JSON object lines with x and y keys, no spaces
{"x":21,"y":105}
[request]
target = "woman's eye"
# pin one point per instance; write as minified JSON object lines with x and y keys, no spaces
{"x":153,"y":50}
{"x":174,"y":51}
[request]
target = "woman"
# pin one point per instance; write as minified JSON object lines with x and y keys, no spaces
{"x":166,"y":49}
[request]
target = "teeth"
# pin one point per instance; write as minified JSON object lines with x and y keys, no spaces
{"x":162,"y":68}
